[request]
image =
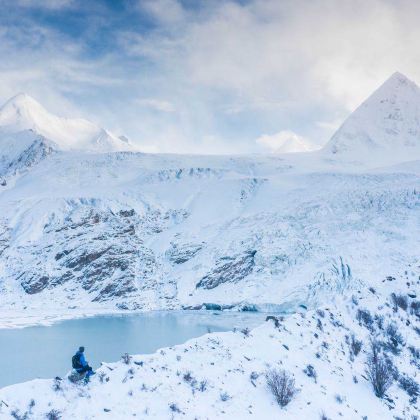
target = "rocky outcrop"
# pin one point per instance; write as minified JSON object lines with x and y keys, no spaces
{"x":103,"y":252}
{"x":31,"y":156}
{"x":229,"y":270}
{"x":181,"y":253}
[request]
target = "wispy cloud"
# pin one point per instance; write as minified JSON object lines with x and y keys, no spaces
{"x":156,"y":104}
{"x":46,"y":4}
{"x":211,"y":76}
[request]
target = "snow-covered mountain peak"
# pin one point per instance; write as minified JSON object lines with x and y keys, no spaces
{"x":21,"y":109}
{"x":22,"y":113}
{"x":285,"y":141}
{"x":398,"y":78}
{"x":385,"y":128}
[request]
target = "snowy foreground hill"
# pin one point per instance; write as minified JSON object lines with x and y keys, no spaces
{"x":331,"y":358}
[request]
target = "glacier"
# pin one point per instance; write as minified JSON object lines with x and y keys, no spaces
{"x":90,"y":225}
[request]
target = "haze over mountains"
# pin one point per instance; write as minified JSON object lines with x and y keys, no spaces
{"x":88,"y":224}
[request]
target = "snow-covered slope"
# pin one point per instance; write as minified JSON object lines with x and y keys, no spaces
{"x":384,"y":129}
{"x":142,"y":231}
{"x":327,"y":352}
{"x":88,"y":232}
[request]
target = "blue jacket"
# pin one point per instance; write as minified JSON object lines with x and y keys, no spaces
{"x":82,"y":358}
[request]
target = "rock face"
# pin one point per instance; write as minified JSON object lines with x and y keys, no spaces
{"x":229,"y":270}
{"x":179,"y":254}
{"x":99,"y":251}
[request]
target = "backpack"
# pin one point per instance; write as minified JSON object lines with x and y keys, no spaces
{"x":75,"y":361}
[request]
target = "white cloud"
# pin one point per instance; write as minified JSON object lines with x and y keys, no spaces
{"x":46,"y":4}
{"x":156,"y":104}
{"x":164,"y":11}
{"x":331,"y":125}
{"x":270,"y":51}
{"x":285,"y":141}
{"x":231,"y":71}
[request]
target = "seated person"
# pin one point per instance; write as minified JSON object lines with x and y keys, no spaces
{"x":80,"y":365}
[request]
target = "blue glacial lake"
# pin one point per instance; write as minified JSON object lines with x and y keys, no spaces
{"x":46,"y":351}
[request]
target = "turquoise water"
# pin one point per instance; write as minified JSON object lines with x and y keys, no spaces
{"x":46,"y":351}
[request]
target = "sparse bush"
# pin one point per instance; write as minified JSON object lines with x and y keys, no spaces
{"x":415,"y":356}
{"x":355,"y":345}
{"x":415,"y":308}
{"x":31,"y":404}
{"x":174,"y":408}
{"x":17,"y":416}
{"x":310,"y":372}
{"x":339,"y":398}
{"x":126,"y":358}
{"x":365,"y":318}
{"x":282,"y":386}
{"x":246,"y":331}
{"x":57,"y":385}
{"x":395,"y":339}
{"x":319,"y":325}
{"x":203,"y":385}
{"x":399,"y":301}
{"x":102,"y":376}
{"x":324,"y":416}
{"x":379,"y":319}
{"x":378,"y":370}
{"x":409,"y":385}
{"x":253,"y":377}
{"x":188,"y":377}
{"x":224,"y":396}
{"x":320,"y":312}
{"x":53,"y":415}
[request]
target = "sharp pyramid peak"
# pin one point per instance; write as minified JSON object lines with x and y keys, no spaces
{"x":398,"y":80}
{"x":385,"y":126}
{"x":398,"y":76}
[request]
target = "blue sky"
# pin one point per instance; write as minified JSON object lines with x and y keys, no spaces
{"x":206,"y":76}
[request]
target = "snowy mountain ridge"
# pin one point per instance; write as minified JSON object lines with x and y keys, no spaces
{"x":130,"y":231}
{"x":22,"y":113}
{"x":384,"y":128}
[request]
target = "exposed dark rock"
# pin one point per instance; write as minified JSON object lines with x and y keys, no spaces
{"x":248,"y":308}
{"x":116,"y":289}
{"x":127,"y":213}
{"x":275,"y":319}
{"x":35,"y":285}
{"x":35,"y":153}
{"x":81,"y":261}
{"x":229,"y":270}
{"x":179,"y":254}
{"x":62,"y":254}
{"x":98,"y":251}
